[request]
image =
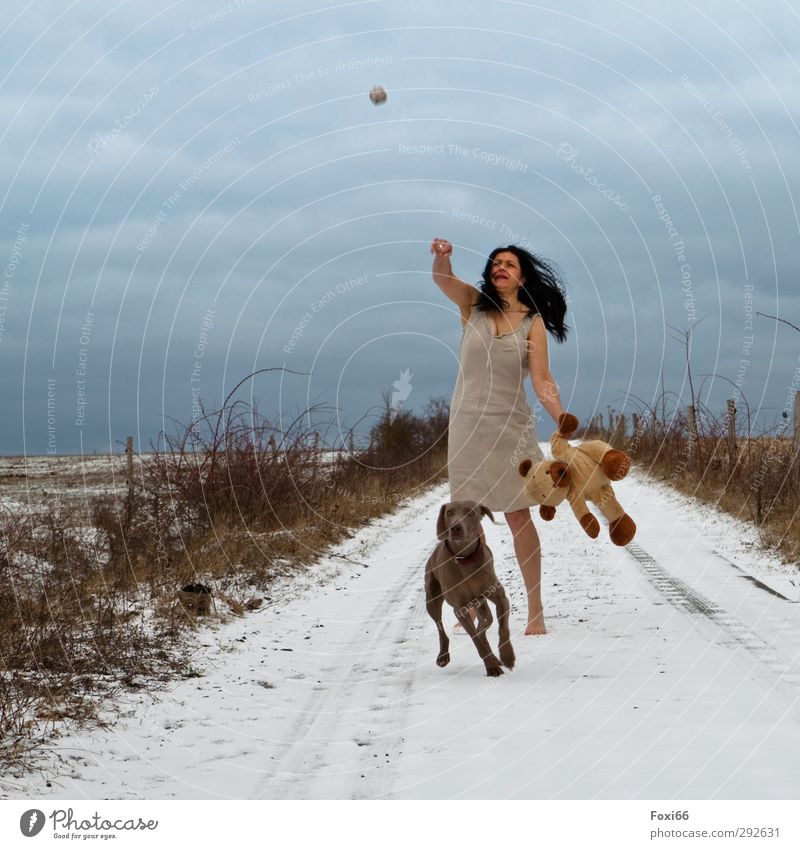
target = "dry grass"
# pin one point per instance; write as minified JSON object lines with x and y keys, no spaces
{"x":756,"y":478}
{"x":232,"y":502}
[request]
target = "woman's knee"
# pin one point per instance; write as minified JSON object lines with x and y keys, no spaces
{"x":518,"y":519}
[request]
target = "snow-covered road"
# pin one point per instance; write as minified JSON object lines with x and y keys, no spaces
{"x":666,"y":673}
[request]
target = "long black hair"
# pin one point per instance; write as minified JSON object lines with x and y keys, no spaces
{"x":542,"y":292}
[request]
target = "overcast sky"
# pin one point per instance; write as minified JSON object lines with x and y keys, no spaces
{"x":192,"y":191}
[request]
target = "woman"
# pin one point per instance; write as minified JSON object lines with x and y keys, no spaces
{"x":492,"y":428}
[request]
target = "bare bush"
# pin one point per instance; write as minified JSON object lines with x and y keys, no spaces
{"x":90,"y":594}
{"x":756,"y":478}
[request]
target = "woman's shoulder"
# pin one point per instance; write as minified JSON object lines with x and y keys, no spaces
{"x":536,"y":326}
{"x":468,"y":309}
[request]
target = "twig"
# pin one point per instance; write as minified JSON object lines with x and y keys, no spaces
{"x":779,"y":319}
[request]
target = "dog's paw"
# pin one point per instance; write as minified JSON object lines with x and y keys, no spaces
{"x":493,"y":671}
{"x":507,"y":657}
{"x":443,"y":659}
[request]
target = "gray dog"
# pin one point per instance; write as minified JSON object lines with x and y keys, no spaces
{"x":461,"y":572}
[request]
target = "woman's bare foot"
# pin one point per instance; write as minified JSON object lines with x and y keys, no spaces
{"x":535,"y":624}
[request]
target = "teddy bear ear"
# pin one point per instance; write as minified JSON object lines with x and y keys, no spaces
{"x":559,"y":472}
{"x":524,"y":467}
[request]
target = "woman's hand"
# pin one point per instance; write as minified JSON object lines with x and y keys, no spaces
{"x":458,"y":291}
{"x":441,"y":248}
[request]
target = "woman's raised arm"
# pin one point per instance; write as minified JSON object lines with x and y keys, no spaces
{"x":460,"y":293}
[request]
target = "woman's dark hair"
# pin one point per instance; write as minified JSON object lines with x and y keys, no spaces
{"x":542,"y":292}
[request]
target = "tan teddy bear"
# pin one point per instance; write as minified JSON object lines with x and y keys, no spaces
{"x":545,"y":482}
{"x":582,"y":473}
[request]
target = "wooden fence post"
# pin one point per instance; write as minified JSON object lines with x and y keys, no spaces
{"x":636,"y":435}
{"x":796,"y":420}
{"x":693,"y":443}
{"x":129,"y":475}
{"x":732,"y":427}
{"x":129,"y":452}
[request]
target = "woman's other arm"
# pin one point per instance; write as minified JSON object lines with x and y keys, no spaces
{"x":543,"y":382}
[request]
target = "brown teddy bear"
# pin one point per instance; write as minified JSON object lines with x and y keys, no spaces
{"x":580,"y":474}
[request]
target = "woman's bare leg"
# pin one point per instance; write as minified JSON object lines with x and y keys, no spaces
{"x":529,"y":556}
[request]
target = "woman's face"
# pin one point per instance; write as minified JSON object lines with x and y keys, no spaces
{"x":506,"y":273}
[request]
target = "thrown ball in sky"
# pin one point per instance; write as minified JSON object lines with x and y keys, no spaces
{"x":378,"y":94}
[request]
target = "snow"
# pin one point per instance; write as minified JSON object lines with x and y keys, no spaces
{"x":663,"y":675}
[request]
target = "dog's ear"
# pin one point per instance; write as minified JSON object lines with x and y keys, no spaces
{"x":485,"y":511}
{"x":441,"y":530}
{"x":524,"y":467}
{"x":547,"y":513}
{"x":559,"y":472}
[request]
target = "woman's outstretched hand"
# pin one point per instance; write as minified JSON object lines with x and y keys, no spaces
{"x":441,"y":248}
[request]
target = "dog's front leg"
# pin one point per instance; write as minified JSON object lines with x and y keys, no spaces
{"x":491,"y":663}
{"x":507,"y":657}
{"x":484,"y":616}
{"x":433,"y":604}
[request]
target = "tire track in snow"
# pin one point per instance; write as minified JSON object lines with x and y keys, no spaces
{"x":683,"y":597}
{"x":308,"y":754}
{"x":312,"y":761}
{"x":375,"y":776}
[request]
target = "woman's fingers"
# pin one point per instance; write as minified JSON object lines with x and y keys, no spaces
{"x":441,"y":247}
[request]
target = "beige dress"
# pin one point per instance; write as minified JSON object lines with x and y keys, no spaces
{"x":492,"y":427}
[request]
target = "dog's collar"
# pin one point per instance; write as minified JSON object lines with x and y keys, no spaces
{"x":463,"y":558}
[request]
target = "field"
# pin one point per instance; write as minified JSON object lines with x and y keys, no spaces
{"x":91,"y":569}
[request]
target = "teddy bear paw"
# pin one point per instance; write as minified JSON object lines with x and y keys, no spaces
{"x":616,"y":464}
{"x":622,"y":530}
{"x":567,"y":424}
{"x":590,"y":525}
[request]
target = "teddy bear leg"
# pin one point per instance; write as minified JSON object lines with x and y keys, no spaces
{"x":621,"y":527}
{"x":581,"y":510}
{"x":622,"y":530}
{"x":590,"y":525}
{"x":615,"y":464}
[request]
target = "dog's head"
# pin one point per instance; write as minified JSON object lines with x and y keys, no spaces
{"x":460,"y":521}
{"x":546,"y":482}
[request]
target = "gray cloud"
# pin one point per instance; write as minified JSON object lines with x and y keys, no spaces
{"x":164,"y":163}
